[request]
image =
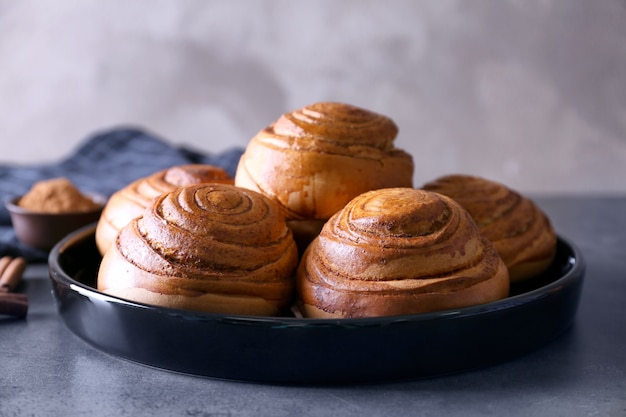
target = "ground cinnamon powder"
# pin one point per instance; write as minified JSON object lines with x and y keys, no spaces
{"x":57,"y":195}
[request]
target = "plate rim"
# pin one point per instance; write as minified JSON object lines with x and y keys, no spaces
{"x":57,"y":273}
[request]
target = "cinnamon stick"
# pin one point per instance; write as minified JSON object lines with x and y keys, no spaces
{"x":13,"y":304}
{"x":11,"y":271}
{"x":4,"y":262}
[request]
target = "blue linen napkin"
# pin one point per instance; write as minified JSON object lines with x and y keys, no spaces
{"x":102,"y":164}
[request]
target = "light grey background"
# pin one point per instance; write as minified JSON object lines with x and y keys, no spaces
{"x":528,"y":92}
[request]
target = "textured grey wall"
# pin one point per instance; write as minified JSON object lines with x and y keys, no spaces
{"x":529,"y":92}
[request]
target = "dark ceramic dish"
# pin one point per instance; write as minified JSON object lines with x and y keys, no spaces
{"x":313,"y":351}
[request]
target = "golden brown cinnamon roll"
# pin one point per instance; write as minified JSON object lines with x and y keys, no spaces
{"x":205,"y":247}
{"x":313,"y":160}
{"x":130,"y":202}
{"x":398,"y":251}
{"x":520,"y":231}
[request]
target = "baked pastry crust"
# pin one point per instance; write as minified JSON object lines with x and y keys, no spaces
{"x":398,"y":251}
{"x":206,"y":247}
{"x":130,"y":202}
{"x":313,"y":160}
{"x":518,"y":228}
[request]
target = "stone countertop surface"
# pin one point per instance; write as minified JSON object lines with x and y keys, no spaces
{"x":45,"y":370}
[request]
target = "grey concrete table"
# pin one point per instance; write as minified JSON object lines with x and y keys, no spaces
{"x":47,"y":371}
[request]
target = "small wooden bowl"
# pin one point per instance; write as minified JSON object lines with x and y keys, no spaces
{"x":43,"y":230}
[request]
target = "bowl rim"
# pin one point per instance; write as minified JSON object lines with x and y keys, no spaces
{"x":575,"y":272}
{"x":12,"y":205}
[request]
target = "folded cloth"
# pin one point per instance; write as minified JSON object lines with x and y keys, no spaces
{"x":104,"y":163}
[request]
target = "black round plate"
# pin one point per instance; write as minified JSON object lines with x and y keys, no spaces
{"x":313,"y":351}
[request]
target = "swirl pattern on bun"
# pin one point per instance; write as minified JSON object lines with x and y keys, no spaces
{"x":518,"y":228}
{"x":316,"y":159}
{"x":130,"y":201}
{"x":398,"y":251}
{"x":313,"y":160}
{"x":205,"y":247}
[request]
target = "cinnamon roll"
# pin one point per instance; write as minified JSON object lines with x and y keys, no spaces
{"x":313,"y":160}
{"x":398,"y":251}
{"x":205,"y":247}
{"x":130,"y":202}
{"x":518,"y":228}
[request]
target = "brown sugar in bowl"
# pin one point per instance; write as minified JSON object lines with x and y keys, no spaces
{"x":42,"y":227}
{"x":43,"y":230}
